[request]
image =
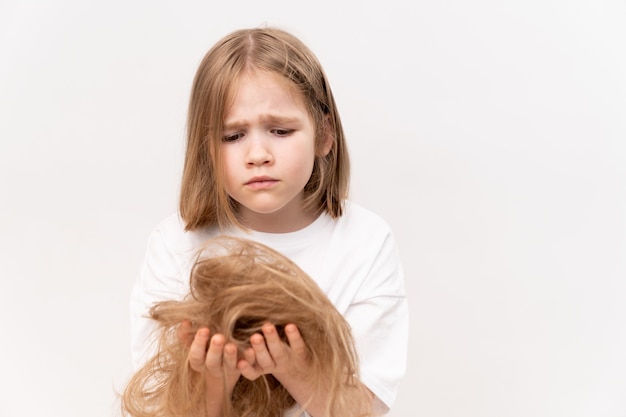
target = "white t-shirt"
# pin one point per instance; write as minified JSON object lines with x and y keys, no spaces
{"x":353,"y":259}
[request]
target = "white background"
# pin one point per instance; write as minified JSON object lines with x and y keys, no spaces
{"x":490,"y":134}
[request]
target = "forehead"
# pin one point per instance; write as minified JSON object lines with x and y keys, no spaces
{"x":264,"y":91}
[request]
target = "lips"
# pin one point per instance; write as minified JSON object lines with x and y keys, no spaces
{"x":261,"y":182}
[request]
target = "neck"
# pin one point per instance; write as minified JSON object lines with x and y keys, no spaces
{"x":279,"y":222}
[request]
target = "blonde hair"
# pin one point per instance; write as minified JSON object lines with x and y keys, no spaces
{"x":203,"y":199}
{"x":236,"y":286}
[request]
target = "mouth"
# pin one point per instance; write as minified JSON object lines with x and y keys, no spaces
{"x":259,"y":183}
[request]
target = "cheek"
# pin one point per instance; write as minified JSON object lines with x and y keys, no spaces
{"x":227,"y":168}
{"x":310,"y":150}
{"x":226,"y":160}
{"x":306,"y":162}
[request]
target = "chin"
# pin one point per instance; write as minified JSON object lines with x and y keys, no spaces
{"x":263,"y":209}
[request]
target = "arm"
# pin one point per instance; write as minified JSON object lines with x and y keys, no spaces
{"x":379,"y":319}
{"x":164,"y":275}
{"x":160,"y":278}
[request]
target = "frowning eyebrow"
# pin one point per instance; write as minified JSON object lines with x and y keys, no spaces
{"x":266,"y":118}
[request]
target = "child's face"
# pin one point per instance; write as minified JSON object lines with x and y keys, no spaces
{"x":268,"y":150}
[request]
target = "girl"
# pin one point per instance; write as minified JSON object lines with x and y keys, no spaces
{"x":266,"y":160}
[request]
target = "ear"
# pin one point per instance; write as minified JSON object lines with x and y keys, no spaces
{"x":328,"y":138}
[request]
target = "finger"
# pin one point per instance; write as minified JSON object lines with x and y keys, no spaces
{"x":247,"y":365}
{"x":275,"y":345}
{"x":184,"y":332}
{"x":263,"y":357}
{"x":230,"y":356}
{"x":214,"y":354}
{"x":249,"y":356}
{"x":197,"y":350}
{"x":298,"y":347}
{"x":248,"y":370}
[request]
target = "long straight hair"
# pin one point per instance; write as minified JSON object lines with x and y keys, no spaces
{"x":203,"y":199}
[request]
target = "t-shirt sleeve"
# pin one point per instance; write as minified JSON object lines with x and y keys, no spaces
{"x":380,"y":321}
{"x":160,"y":278}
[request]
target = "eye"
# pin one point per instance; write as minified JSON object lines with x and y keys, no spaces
{"x":231,"y":138}
{"x":282,"y":132}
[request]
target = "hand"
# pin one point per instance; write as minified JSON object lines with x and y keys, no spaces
{"x":270,"y":355}
{"x":219,"y":361}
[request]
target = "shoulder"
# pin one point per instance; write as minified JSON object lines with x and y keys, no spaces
{"x":171,"y":236}
{"x":361,"y":222}
{"x":368,"y":236}
{"x":362,"y":249}
{"x":362,"y":234}
{"x":354,"y":210}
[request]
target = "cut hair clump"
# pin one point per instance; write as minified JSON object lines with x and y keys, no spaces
{"x":236,"y":286}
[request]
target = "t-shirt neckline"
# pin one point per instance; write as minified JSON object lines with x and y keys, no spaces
{"x":288,"y":239}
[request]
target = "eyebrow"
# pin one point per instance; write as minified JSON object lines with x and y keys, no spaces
{"x":273,"y":118}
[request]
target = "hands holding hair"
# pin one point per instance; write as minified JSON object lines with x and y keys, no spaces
{"x":256,"y":335}
{"x":268,"y":354}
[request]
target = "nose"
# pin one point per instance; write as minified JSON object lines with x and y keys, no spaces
{"x":259,"y":151}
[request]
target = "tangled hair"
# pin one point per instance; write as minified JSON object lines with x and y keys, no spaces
{"x":236,"y":286}
{"x":203,"y":198}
